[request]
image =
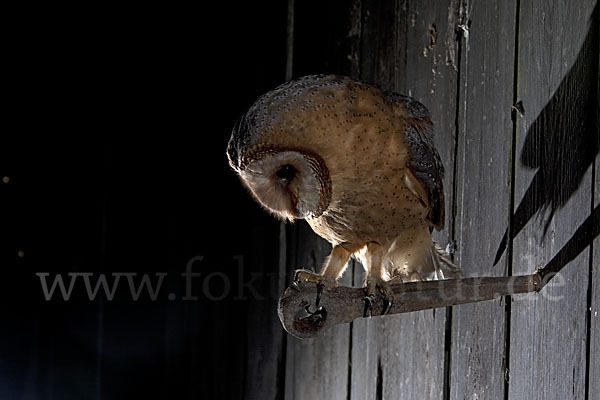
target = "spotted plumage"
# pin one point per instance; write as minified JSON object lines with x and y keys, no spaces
{"x":358,"y":164}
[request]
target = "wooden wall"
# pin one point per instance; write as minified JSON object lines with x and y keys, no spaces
{"x":512,"y":88}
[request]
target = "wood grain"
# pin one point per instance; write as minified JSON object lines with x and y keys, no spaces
{"x":408,"y":47}
{"x":265,"y":367}
{"x":316,"y":368}
{"x":482,"y":192}
{"x":324,"y":42}
{"x":594,"y":354}
{"x":431,"y":77}
{"x":379,"y":62}
{"x":340,"y":305}
{"x":412,"y":49}
{"x":548,"y":337}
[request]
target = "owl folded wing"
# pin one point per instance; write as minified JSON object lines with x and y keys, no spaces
{"x":427,"y":171}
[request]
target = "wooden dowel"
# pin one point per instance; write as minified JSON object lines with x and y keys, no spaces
{"x":300,"y":317}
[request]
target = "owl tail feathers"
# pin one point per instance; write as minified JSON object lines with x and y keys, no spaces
{"x":443,"y":266}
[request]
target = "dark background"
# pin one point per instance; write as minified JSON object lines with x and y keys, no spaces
{"x":115,"y":126}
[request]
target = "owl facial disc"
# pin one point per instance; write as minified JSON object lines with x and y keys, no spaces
{"x":287,"y":183}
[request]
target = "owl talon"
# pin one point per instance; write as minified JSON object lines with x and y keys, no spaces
{"x":375,"y":285}
{"x":320,"y":287}
{"x":314,"y":318}
{"x":368,"y":310}
{"x":303,"y":275}
{"x":388,"y":297}
{"x":387,"y":306}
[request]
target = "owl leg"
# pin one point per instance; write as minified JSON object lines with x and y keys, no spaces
{"x":376,"y":280}
{"x":332,"y":269}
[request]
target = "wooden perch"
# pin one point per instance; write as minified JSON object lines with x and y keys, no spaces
{"x":340,"y":305}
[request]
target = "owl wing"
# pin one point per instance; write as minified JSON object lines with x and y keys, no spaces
{"x":426,"y":169}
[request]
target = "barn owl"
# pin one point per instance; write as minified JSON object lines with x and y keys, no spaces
{"x":360,"y":166}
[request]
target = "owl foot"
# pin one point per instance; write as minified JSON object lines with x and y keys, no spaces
{"x":306,"y":275}
{"x":372,"y":284}
{"x":323,"y":282}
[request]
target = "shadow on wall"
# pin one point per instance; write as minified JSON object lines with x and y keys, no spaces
{"x":562,"y":143}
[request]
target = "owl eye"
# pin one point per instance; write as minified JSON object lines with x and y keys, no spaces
{"x":286,"y":173}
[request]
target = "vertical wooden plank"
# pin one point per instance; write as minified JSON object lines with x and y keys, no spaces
{"x":409,"y":48}
{"x":552,"y":189}
{"x":316,"y":368}
{"x":380,"y":58}
{"x":428,"y":75}
{"x":594,"y":355}
{"x":431,"y":78}
{"x":594,"y":362}
{"x":482,"y":192}
{"x":265,"y":374}
{"x":327,"y":41}
{"x":365,"y":380}
{"x":383,"y":41}
{"x":324,"y":42}
{"x":266,"y":340}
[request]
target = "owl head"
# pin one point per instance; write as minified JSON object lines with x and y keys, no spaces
{"x":283,"y":174}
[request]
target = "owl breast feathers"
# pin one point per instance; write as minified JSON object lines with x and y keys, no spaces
{"x":357,"y":163}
